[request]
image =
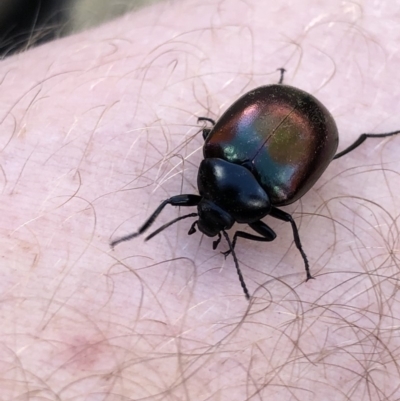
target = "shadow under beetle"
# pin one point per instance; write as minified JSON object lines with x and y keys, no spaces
{"x":267,"y":150}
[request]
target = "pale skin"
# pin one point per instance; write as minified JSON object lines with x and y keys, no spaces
{"x":97,"y":129}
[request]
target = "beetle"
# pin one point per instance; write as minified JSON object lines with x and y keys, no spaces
{"x":267,"y":150}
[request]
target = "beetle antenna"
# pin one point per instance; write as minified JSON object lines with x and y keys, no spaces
{"x":154,"y":233}
{"x":177,"y":200}
{"x":241,"y":279}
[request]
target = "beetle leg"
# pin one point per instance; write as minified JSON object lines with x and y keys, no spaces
{"x":281,"y":215}
{"x":210,"y":120}
{"x":360,"y":140}
{"x":266,"y":232}
{"x":206,"y":131}
{"x":192,"y":229}
{"x":217,"y":241}
{"x":178,"y":200}
{"x":282,"y":70}
{"x":241,"y":279}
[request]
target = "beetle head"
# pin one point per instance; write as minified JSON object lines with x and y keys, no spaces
{"x":213,"y":219}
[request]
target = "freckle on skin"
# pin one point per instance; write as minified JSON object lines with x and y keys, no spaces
{"x":82,"y":353}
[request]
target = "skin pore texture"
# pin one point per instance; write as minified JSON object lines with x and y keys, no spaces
{"x":98,"y":128}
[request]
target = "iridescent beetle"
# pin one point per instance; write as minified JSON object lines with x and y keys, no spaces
{"x":267,"y":150}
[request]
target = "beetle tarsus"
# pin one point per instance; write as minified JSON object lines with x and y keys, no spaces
{"x":226,"y":253}
{"x":206,"y":131}
{"x":210,"y":120}
{"x":282,"y":71}
{"x":192,"y":228}
{"x":217,"y":241}
{"x":281,"y":215}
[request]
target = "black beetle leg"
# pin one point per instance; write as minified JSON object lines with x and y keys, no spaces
{"x":241,"y":279}
{"x":192,"y":228}
{"x":178,"y":200}
{"x":282,"y":70}
{"x":217,"y":241}
{"x":261,"y":228}
{"x":360,"y":140}
{"x":206,"y":131}
{"x":210,"y":120}
{"x":281,"y":215}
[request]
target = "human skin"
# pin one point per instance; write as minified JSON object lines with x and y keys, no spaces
{"x":98,"y":128}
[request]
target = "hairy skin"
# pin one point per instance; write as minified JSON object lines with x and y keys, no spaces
{"x":98,"y":128}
